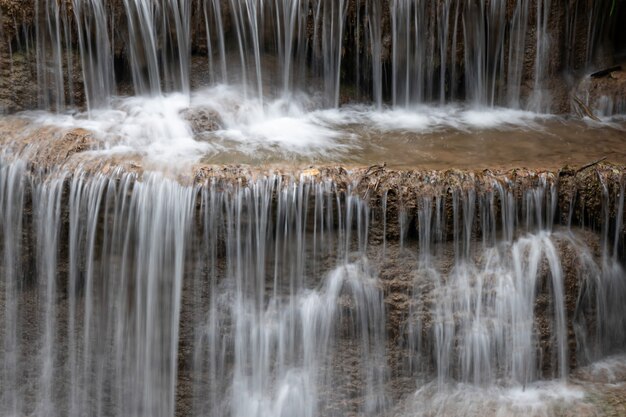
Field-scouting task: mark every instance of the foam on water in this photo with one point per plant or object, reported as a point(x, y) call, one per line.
point(609, 370)
point(423, 119)
point(538, 399)
point(151, 126)
point(283, 125)
point(223, 124)
point(501, 117)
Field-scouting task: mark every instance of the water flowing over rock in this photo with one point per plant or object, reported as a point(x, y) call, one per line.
point(287, 208)
point(517, 53)
point(334, 292)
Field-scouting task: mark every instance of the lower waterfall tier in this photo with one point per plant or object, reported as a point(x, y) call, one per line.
point(326, 292)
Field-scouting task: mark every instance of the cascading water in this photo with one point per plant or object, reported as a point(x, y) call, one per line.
point(133, 272)
point(405, 51)
point(138, 279)
point(146, 296)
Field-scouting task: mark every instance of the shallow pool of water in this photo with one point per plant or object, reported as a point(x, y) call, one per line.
point(221, 126)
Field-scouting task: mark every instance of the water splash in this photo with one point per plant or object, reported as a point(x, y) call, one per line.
point(218, 123)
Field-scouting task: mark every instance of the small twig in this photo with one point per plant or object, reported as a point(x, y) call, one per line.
point(375, 169)
point(589, 165)
point(579, 113)
point(585, 109)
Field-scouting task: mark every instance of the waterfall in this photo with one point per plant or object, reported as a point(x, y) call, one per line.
point(398, 52)
point(196, 219)
point(95, 51)
point(50, 33)
point(148, 296)
point(133, 297)
point(159, 44)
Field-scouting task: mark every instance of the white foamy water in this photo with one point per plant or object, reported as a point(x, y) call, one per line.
point(284, 125)
point(157, 127)
point(151, 126)
point(610, 370)
point(224, 125)
point(537, 400)
point(426, 119)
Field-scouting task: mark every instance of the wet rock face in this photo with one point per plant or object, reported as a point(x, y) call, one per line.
point(605, 95)
point(17, 90)
point(24, 83)
point(203, 120)
point(14, 14)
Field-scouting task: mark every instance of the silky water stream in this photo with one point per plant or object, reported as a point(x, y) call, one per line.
point(239, 241)
point(137, 294)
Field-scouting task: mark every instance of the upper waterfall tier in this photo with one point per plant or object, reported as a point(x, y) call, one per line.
point(517, 53)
